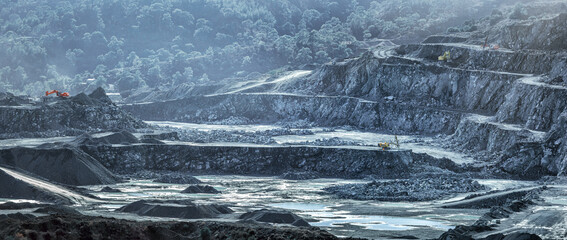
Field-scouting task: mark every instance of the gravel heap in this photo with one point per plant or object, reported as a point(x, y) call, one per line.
point(417, 189)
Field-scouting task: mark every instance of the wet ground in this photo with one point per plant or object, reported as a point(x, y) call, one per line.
point(306, 198)
point(370, 219)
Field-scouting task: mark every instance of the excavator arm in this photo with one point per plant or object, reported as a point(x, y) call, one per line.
point(47, 93)
point(64, 94)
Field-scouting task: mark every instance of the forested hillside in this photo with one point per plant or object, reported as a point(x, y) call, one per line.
point(140, 45)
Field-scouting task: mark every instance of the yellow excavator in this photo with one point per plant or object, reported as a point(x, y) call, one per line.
point(386, 145)
point(445, 57)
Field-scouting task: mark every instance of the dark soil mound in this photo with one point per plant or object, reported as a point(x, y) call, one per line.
point(200, 189)
point(83, 139)
point(82, 99)
point(275, 216)
point(64, 165)
point(100, 95)
point(177, 178)
point(16, 216)
point(175, 209)
point(56, 209)
point(11, 187)
point(122, 137)
point(20, 205)
point(109, 189)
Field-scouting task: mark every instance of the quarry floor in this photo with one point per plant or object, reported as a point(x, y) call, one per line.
point(341, 217)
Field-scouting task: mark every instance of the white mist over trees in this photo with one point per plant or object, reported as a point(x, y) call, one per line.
point(136, 45)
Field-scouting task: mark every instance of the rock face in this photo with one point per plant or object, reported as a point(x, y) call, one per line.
point(200, 189)
point(175, 209)
point(275, 216)
point(273, 161)
point(80, 113)
point(326, 111)
point(547, 34)
point(505, 102)
point(62, 165)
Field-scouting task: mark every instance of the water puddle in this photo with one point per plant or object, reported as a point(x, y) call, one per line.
point(381, 223)
point(299, 206)
point(302, 197)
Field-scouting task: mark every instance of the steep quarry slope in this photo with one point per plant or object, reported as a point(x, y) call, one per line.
point(513, 100)
point(268, 160)
point(61, 165)
point(489, 101)
point(78, 113)
point(13, 187)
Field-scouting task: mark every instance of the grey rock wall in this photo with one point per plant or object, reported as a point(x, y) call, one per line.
point(272, 161)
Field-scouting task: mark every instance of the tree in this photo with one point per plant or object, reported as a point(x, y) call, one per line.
point(304, 56)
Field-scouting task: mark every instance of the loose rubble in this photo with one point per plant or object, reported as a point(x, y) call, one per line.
point(406, 189)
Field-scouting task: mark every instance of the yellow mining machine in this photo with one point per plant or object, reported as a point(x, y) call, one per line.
point(387, 146)
point(445, 57)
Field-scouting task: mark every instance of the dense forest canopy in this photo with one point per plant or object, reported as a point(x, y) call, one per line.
point(133, 45)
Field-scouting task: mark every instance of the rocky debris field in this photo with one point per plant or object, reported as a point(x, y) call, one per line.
point(72, 226)
point(256, 137)
point(490, 220)
point(64, 116)
point(419, 189)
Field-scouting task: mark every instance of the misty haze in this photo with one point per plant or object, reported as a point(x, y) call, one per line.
point(283, 119)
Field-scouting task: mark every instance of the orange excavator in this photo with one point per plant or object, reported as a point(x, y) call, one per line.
point(59, 94)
